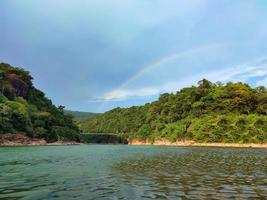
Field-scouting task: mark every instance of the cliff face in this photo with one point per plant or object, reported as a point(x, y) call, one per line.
point(23, 108)
point(18, 86)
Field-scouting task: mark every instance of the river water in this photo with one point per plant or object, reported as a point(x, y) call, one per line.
point(132, 172)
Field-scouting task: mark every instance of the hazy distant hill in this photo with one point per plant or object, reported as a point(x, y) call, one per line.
point(81, 116)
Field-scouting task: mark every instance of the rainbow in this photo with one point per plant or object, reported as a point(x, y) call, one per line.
point(160, 62)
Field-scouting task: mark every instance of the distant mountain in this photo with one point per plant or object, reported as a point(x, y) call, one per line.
point(81, 116)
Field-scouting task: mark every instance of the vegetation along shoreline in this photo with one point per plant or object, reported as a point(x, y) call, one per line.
point(210, 114)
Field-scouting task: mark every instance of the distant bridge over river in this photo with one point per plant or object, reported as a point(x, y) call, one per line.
point(102, 138)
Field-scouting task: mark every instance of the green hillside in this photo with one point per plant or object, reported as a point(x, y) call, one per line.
point(211, 112)
point(80, 116)
point(25, 109)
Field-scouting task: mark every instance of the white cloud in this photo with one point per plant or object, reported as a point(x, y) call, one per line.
point(100, 99)
point(125, 93)
point(242, 73)
point(255, 69)
point(262, 82)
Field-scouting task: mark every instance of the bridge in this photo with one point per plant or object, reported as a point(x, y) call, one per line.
point(102, 138)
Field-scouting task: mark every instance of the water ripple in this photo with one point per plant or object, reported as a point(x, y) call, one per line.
point(127, 172)
point(201, 174)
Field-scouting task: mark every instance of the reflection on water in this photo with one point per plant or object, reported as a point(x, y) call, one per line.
point(131, 172)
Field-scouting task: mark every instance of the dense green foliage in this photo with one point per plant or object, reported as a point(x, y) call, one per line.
point(79, 116)
point(23, 108)
point(234, 112)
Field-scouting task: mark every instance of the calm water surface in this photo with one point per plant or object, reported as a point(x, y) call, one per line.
point(132, 172)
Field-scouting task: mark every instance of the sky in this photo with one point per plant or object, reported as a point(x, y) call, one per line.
point(96, 55)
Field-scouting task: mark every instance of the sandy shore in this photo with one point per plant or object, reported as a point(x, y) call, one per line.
point(192, 143)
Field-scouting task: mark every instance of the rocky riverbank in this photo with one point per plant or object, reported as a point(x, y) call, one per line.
point(192, 143)
point(20, 139)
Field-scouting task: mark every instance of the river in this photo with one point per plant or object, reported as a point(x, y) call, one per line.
point(132, 172)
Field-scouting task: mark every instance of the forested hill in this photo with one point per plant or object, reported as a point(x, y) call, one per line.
point(234, 112)
point(25, 109)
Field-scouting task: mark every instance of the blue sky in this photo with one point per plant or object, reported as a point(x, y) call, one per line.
point(99, 54)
